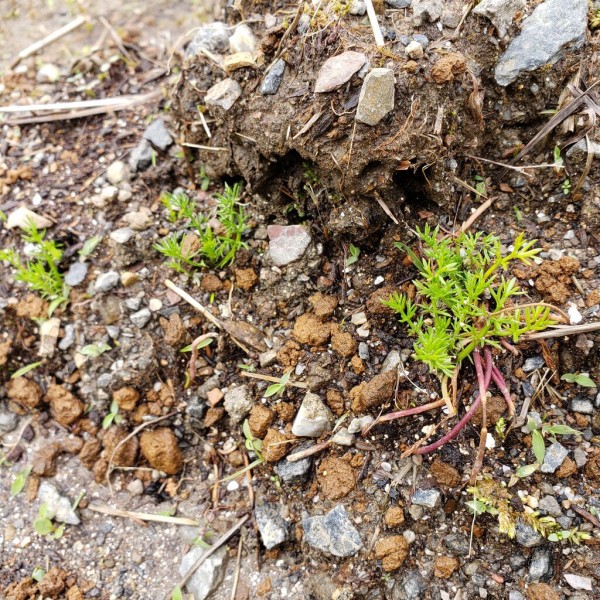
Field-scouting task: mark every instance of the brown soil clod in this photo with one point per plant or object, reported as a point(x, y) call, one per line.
point(260, 420)
point(392, 552)
point(374, 392)
point(445, 475)
point(445, 566)
point(542, 591)
point(274, 446)
point(394, 516)
point(336, 478)
point(24, 392)
point(246, 279)
point(342, 342)
point(309, 329)
point(553, 278)
point(65, 407)
point(127, 398)
point(161, 450)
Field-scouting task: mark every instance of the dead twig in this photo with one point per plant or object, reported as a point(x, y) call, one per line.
point(562, 331)
point(297, 384)
point(476, 214)
point(141, 516)
point(224, 538)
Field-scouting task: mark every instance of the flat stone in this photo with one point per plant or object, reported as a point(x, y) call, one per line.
point(500, 12)
point(579, 151)
point(208, 576)
point(287, 243)
point(580, 457)
point(411, 587)
point(363, 351)
point(141, 156)
point(427, 10)
point(555, 456)
point(68, 338)
point(158, 135)
point(313, 418)
point(272, 526)
point(22, 217)
point(139, 219)
point(106, 281)
point(58, 507)
point(357, 8)
point(457, 543)
point(358, 423)
point(141, 317)
point(295, 472)
point(533, 363)
point(343, 437)
point(237, 403)
point(333, 533)
point(376, 98)
point(582, 405)
point(242, 40)
point(541, 564)
point(273, 78)
point(391, 361)
point(76, 273)
point(398, 3)
point(117, 172)
point(48, 73)
point(49, 331)
point(527, 536)
point(337, 70)
point(578, 582)
point(122, 235)
point(553, 27)
point(427, 498)
point(422, 39)
point(223, 94)
point(515, 595)
point(550, 505)
point(213, 37)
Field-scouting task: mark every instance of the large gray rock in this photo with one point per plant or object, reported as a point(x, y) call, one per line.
point(287, 243)
point(527, 536)
point(411, 587)
point(500, 12)
point(298, 471)
point(553, 27)
point(555, 456)
point(376, 98)
point(541, 565)
point(223, 94)
point(158, 135)
point(58, 507)
point(106, 281)
point(272, 526)
point(427, 10)
point(337, 70)
point(273, 78)
point(333, 533)
point(213, 37)
point(313, 418)
point(237, 403)
point(209, 574)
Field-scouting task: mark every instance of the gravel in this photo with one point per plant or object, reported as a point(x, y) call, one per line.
point(106, 282)
point(332, 533)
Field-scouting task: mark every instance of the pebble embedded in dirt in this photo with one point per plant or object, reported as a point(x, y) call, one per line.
point(287, 243)
point(260, 420)
point(343, 342)
point(323, 306)
point(161, 450)
point(336, 478)
point(237, 403)
point(127, 398)
point(65, 407)
point(338, 69)
point(333, 533)
point(309, 329)
point(495, 408)
point(211, 283)
point(24, 392)
point(174, 329)
point(374, 392)
point(542, 591)
point(274, 446)
point(392, 552)
point(394, 516)
point(377, 95)
point(445, 566)
point(445, 475)
point(246, 279)
point(448, 67)
point(313, 417)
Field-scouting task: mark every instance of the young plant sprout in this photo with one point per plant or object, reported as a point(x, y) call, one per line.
point(464, 309)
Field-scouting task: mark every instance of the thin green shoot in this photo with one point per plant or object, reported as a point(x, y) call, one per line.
point(582, 379)
point(26, 369)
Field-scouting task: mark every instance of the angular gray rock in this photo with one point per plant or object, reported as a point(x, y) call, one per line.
point(213, 37)
point(313, 418)
point(287, 243)
point(337, 70)
point(427, 498)
point(209, 574)
point(57, 507)
point(8, 421)
point(106, 281)
point(333, 533)
point(550, 505)
point(500, 12)
point(398, 3)
point(541, 564)
point(427, 10)
point(76, 273)
point(237, 403)
point(582, 405)
point(242, 40)
point(457, 543)
point(158, 135)
point(141, 317)
point(272, 526)
point(527, 536)
point(295, 472)
point(555, 456)
point(223, 94)
point(141, 156)
point(376, 98)
point(552, 28)
point(273, 78)
point(411, 587)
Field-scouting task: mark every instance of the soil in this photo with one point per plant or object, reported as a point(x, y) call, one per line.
point(175, 441)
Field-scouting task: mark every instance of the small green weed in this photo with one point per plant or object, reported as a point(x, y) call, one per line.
point(278, 388)
point(113, 416)
point(212, 248)
point(24, 370)
point(43, 525)
point(95, 350)
point(20, 480)
point(40, 273)
point(354, 253)
point(582, 379)
point(254, 446)
point(565, 186)
point(38, 574)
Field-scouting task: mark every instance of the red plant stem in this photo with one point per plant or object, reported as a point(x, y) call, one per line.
point(503, 387)
point(481, 377)
point(416, 410)
point(467, 416)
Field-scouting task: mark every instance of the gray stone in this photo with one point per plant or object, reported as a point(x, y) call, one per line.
point(359, 423)
point(106, 281)
point(515, 595)
point(553, 27)
point(22, 217)
point(141, 317)
point(141, 156)
point(313, 418)
point(295, 472)
point(208, 576)
point(8, 421)
point(376, 98)
point(343, 437)
point(541, 565)
point(117, 172)
point(527, 536)
point(109, 308)
point(357, 8)
point(304, 24)
point(422, 39)
point(578, 582)
point(427, 10)
point(337, 70)
point(271, 524)
point(213, 37)
point(58, 507)
point(582, 405)
point(363, 351)
point(565, 522)
point(411, 587)
point(555, 456)
point(533, 363)
point(223, 94)
point(414, 50)
point(48, 73)
point(550, 505)
point(122, 235)
point(391, 362)
point(580, 457)
point(333, 533)
point(49, 331)
point(76, 273)
point(68, 338)
point(242, 40)
point(267, 358)
point(398, 3)
point(273, 78)
point(135, 487)
point(133, 303)
point(500, 12)
point(457, 543)
point(158, 135)
point(237, 403)
point(427, 498)
point(579, 151)
point(287, 243)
